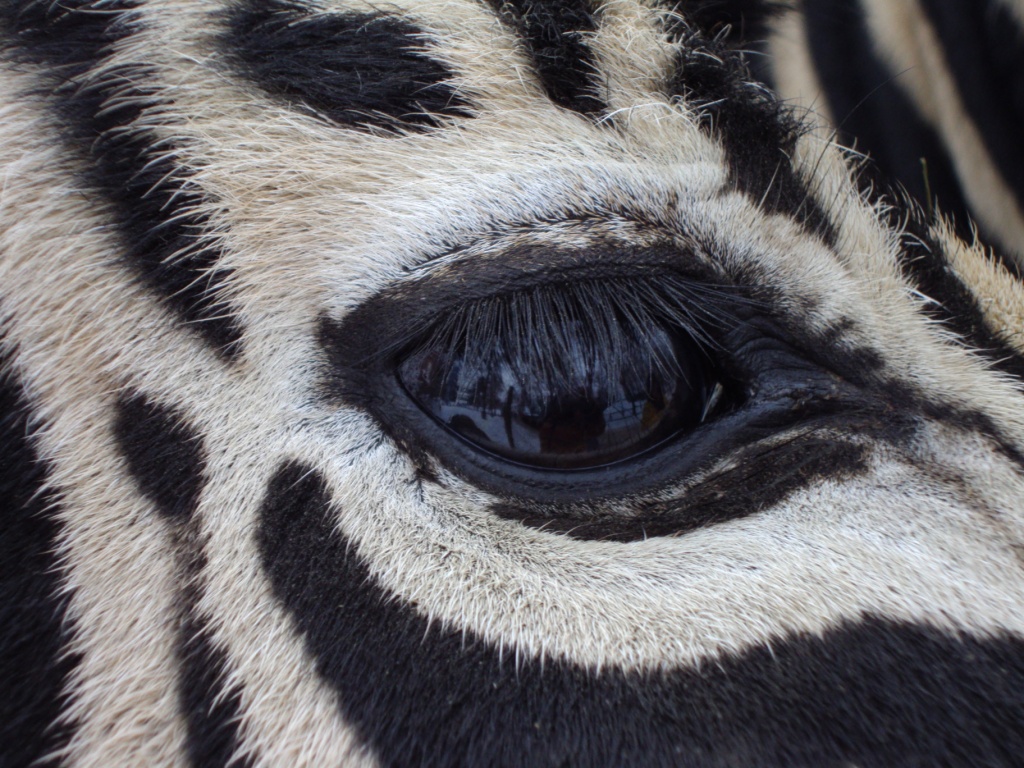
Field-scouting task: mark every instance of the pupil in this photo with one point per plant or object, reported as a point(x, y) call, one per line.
point(591, 405)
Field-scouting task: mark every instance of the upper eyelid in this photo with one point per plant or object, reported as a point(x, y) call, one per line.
point(522, 266)
point(607, 304)
point(576, 233)
point(370, 335)
point(631, 303)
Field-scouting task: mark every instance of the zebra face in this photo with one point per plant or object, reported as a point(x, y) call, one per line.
point(471, 383)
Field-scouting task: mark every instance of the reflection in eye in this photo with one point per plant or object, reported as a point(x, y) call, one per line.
point(553, 381)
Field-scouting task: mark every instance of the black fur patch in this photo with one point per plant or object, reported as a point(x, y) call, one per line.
point(35, 630)
point(152, 197)
point(167, 460)
point(760, 480)
point(872, 693)
point(164, 455)
point(554, 34)
point(737, 22)
point(358, 70)
point(983, 45)
point(212, 710)
point(874, 115)
point(758, 134)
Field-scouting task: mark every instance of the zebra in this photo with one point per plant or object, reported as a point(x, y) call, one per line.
point(507, 382)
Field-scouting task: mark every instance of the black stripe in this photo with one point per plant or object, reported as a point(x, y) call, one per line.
point(924, 264)
point(874, 115)
point(742, 25)
point(873, 693)
point(554, 34)
point(152, 196)
point(983, 46)
point(35, 630)
point(737, 22)
point(758, 134)
point(164, 455)
point(212, 709)
point(358, 70)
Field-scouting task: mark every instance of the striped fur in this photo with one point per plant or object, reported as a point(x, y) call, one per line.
point(931, 89)
point(231, 537)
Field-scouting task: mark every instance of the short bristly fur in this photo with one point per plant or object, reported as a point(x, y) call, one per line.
point(229, 536)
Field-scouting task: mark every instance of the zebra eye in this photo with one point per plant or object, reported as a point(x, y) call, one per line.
point(545, 382)
point(606, 410)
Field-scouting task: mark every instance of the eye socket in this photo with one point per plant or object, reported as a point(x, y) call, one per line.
point(563, 379)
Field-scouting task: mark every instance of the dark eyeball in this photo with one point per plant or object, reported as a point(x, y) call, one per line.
point(574, 404)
